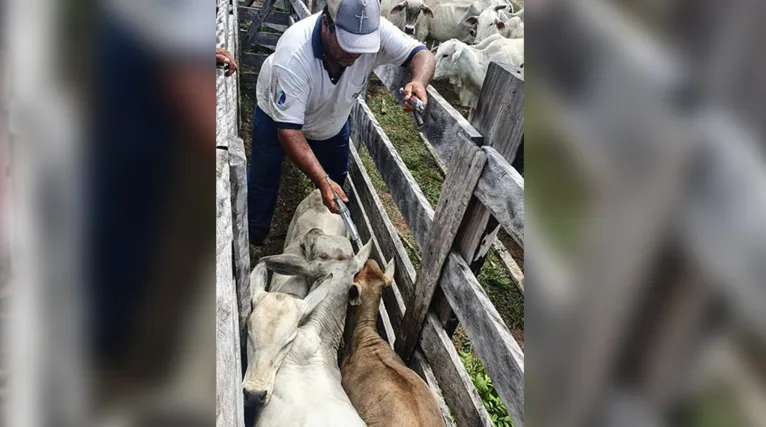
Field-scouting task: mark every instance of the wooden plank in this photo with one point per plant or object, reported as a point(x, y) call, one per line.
point(268, 40)
point(240, 240)
point(456, 192)
point(363, 213)
point(501, 190)
point(249, 38)
point(300, 9)
point(499, 115)
point(254, 59)
point(510, 265)
point(421, 367)
point(405, 191)
point(455, 383)
point(229, 399)
point(391, 245)
point(442, 121)
point(248, 13)
point(498, 350)
point(500, 119)
point(278, 18)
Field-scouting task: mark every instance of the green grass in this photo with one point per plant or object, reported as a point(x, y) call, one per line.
point(486, 389)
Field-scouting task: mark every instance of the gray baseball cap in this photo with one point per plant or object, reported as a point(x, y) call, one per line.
point(356, 24)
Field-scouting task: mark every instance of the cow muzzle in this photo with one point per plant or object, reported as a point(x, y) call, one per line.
point(255, 399)
point(409, 29)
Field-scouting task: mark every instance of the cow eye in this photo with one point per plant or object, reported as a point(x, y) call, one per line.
point(444, 55)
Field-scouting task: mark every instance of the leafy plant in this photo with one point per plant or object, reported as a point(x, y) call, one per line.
point(497, 411)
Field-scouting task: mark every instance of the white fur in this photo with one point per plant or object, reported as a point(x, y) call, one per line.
point(310, 213)
point(466, 66)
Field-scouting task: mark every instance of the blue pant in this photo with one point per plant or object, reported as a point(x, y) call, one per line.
point(266, 167)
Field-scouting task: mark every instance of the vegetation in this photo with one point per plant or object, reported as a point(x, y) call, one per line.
point(486, 389)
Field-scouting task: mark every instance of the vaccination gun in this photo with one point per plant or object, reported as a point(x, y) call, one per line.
point(346, 215)
point(419, 108)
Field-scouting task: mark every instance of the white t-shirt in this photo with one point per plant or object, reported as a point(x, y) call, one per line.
point(295, 90)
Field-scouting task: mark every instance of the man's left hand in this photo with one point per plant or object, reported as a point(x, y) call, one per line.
point(223, 56)
point(417, 89)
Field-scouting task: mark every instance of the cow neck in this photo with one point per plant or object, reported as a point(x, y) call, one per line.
point(365, 327)
point(329, 317)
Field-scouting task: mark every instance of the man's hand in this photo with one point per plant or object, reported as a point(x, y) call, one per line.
point(417, 89)
point(223, 56)
point(327, 195)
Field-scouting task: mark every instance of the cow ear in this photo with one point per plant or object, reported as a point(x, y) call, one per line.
point(289, 265)
point(258, 278)
point(427, 10)
point(390, 268)
point(355, 294)
point(399, 7)
point(315, 297)
point(471, 21)
point(363, 255)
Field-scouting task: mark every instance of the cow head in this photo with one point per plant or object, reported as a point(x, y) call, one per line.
point(323, 254)
point(370, 281)
point(447, 55)
point(412, 9)
point(271, 329)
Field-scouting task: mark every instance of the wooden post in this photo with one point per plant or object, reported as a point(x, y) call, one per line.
point(456, 192)
point(501, 96)
point(257, 21)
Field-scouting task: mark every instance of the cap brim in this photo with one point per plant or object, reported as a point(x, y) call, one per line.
point(358, 43)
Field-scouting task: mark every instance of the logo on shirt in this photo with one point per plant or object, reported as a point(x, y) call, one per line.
point(281, 99)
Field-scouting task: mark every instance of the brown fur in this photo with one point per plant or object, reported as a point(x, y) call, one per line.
point(380, 386)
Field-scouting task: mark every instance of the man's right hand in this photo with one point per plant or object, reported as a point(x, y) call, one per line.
point(328, 197)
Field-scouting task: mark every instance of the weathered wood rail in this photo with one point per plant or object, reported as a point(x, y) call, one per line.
point(416, 307)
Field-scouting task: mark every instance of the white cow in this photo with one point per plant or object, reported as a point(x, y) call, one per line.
point(294, 373)
point(289, 334)
point(310, 213)
point(466, 66)
point(405, 14)
point(493, 20)
point(453, 20)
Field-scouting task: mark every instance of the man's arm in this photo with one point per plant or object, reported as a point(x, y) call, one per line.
point(294, 143)
point(421, 70)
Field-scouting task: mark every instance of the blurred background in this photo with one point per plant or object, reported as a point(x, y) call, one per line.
point(646, 209)
point(108, 274)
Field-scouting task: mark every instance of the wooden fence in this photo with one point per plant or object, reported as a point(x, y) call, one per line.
point(419, 311)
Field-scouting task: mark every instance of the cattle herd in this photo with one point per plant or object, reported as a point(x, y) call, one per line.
point(320, 294)
point(470, 34)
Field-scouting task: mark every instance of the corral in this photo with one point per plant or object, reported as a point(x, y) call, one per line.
point(481, 194)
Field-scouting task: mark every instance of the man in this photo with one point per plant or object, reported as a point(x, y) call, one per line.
point(306, 90)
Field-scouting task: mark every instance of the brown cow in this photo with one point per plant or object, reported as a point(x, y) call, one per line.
point(384, 391)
